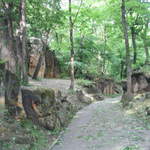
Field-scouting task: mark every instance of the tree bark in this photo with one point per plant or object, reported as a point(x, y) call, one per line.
point(104, 52)
point(23, 40)
point(71, 47)
point(12, 87)
point(134, 44)
point(128, 60)
point(8, 53)
point(147, 60)
point(37, 69)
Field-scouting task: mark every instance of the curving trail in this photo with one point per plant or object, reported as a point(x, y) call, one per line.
point(104, 126)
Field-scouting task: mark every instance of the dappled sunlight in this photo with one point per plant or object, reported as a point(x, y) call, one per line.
point(2, 100)
point(115, 101)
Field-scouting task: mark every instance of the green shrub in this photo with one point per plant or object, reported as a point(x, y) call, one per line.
point(83, 82)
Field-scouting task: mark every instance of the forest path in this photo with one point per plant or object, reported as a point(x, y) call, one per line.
point(104, 126)
point(60, 84)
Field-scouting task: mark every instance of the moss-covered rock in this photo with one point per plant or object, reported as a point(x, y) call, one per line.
point(44, 107)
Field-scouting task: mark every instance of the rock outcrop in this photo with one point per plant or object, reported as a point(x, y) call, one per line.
point(49, 66)
point(103, 86)
point(108, 86)
point(140, 105)
point(140, 89)
point(46, 108)
point(140, 82)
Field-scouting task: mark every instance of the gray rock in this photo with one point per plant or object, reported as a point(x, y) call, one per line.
point(46, 107)
point(147, 95)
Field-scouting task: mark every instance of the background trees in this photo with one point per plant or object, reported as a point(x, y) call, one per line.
point(97, 45)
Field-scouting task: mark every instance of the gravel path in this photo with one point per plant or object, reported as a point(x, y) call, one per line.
point(104, 126)
point(60, 84)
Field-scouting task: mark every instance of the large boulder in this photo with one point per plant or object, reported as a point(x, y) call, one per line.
point(36, 47)
point(140, 82)
point(49, 65)
point(45, 108)
point(108, 86)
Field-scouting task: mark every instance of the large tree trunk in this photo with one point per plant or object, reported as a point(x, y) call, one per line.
point(8, 54)
point(134, 44)
point(128, 96)
point(71, 47)
point(12, 87)
point(23, 40)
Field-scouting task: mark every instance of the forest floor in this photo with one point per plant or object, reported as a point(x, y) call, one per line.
point(60, 84)
point(105, 126)
point(102, 125)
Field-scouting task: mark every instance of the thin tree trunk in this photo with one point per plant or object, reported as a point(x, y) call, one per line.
point(71, 48)
point(121, 69)
point(147, 60)
point(128, 60)
point(37, 69)
point(134, 44)
point(23, 40)
point(105, 44)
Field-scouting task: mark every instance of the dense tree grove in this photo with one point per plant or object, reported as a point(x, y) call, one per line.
point(87, 37)
point(59, 56)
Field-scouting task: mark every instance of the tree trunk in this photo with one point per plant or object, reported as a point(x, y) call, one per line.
point(147, 60)
point(71, 48)
point(8, 53)
point(23, 40)
point(134, 44)
point(122, 68)
point(37, 69)
point(12, 87)
point(128, 60)
point(104, 52)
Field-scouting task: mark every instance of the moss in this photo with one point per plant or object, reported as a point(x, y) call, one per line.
point(45, 92)
point(2, 61)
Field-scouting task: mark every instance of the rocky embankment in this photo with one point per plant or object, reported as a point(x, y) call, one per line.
point(44, 109)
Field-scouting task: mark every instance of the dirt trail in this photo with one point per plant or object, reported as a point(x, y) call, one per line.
point(104, 126)
point(60, 84)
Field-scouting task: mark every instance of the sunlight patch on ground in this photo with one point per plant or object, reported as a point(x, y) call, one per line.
point(130, 112)
point(35, 83)
point(115, 101)
point(1, 100)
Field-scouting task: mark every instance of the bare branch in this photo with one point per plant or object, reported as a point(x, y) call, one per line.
point(73, 22)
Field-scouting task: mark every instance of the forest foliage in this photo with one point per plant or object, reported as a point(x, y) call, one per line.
point(98, 33)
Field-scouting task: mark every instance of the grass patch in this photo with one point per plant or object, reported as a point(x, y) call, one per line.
point(83, 82)
point(38, 135)
point(112, 95)
point(134, 147)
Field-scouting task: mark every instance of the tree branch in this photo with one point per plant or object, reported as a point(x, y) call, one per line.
point(73, 22)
